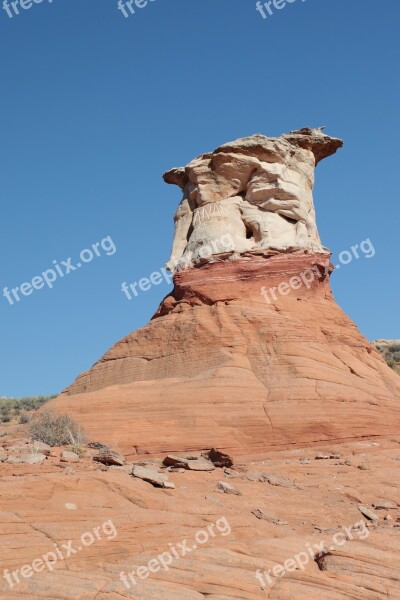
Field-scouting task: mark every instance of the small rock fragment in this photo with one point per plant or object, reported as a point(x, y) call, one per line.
point(384, 505)
point(227, 488)
point(368, 513)
point(33, 459)
point(41, 447)
point(68, 456)
point(257, 512)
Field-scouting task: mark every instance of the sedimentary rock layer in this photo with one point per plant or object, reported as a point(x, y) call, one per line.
point(222, 365)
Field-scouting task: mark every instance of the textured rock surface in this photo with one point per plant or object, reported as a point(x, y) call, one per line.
point(218, 366)
point(255, 192)
point(42, 506)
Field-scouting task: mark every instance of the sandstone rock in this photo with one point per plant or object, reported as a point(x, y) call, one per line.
point(260, 514)
point(279, 481)
point(71, 457)
point(200, 465)
point(33, 459)
point(109, 457)
point(192, 464)
point(3, 455)
point(14, 460)
point(41, 447)
point(371, 516)
point(175, 461)
point(227, 488)
point(220, 459)
point(156, 479)
point(385, 505)
point(258, 189)
point(265, 323)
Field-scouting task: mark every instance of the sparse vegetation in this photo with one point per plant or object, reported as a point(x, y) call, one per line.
point(12, 408)
point(391, 353)
point(57, 430)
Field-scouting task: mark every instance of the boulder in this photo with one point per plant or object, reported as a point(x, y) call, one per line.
point(109, 457)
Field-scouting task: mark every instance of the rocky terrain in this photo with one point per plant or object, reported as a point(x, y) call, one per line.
point(285, 503)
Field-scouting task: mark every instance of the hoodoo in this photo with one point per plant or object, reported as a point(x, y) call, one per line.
point(220, 365)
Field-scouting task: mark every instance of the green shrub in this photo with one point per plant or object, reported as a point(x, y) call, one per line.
point(56, 430)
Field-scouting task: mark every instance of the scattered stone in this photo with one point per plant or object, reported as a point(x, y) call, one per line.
point(388, 517)
point(97, 446)
point(200, 465)
point(257, 512)
point(191, 464)
point(68, 456)
point(3, 455)
point(280, 481)
point(153, 477)
point(304, 461)
point(14, 460)
point(70, 506)
point(220, 459)
point(176, 461)
point(364, 467)
point(331, 456)
point(41, 447)
point(254, 476)
point(384, 505)
point(109, 457)
point(176, 470)
point(232, 473)
point(168, 485)
point(33, 459)
point(321, 456)
point(371, 516)
point(227, 488)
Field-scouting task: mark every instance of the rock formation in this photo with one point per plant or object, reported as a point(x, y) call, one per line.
point(249, 194)
point(250, 350)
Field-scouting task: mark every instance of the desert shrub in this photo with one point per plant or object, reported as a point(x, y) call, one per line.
point(24, 418)
point(5, 418)
point(394, 348)
point(56, 430)
point(391, 362)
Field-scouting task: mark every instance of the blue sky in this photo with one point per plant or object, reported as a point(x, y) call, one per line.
point(96, 106)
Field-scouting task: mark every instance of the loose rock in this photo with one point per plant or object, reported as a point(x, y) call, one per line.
point(227, 488)
point(109, 457)
point(156, 479)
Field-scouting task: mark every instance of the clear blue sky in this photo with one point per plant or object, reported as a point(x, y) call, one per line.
point(96, 106)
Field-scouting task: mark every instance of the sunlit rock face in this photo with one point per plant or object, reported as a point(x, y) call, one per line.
point(251, 194)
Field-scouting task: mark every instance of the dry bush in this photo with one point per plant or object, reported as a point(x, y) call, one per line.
point(56, 430)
